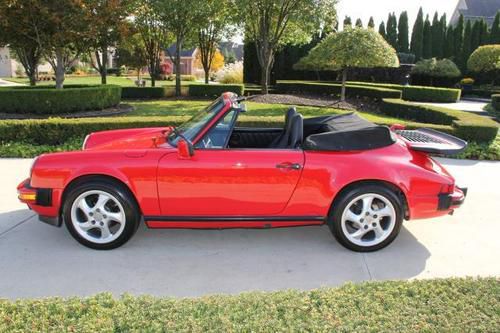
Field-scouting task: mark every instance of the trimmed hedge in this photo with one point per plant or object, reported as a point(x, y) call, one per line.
point(465, 125)
point(211, 90)
point(495, 102)
point(335, 88)
point(48, 100)
point(438, 305)
point(431, 94)
point(142, 92)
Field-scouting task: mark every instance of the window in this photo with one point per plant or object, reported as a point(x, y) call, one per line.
point(218, 135)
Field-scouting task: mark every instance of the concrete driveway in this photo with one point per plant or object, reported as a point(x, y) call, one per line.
point(37, 260)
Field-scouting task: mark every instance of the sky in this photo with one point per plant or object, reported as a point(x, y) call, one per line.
point(379, 9)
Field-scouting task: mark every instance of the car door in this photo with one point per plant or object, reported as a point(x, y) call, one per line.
point(229, 182)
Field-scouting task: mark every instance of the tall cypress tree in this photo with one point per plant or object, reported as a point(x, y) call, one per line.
point(466, 47)
point(392, 31)
point(347, 22)
point(495, 30)
point(459, 40)
point(371, 23)
point(381, 29)
point(359, 23)
point(417, 35)
point(436, 37)
point(449, 44)
point(427, 48)
point(484, 36)
point(403, 32)
point(476, 35)
point(442, 23)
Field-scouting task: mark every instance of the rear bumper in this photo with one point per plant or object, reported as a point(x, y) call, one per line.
point(452, 200)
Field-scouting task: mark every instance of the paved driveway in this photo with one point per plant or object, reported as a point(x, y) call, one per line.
point(4, 83)
point(37, 260)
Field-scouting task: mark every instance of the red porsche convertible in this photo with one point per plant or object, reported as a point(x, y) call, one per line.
point(359, 178)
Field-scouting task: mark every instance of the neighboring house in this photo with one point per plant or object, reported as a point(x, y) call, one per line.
point(188, 58)
point(475, 10)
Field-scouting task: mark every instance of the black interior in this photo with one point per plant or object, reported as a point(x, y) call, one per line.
point(243, 137)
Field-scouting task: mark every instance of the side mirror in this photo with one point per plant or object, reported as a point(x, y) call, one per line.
point(184, 149)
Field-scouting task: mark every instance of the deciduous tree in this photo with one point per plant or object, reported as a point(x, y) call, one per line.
point(349, 49)
point(274, 23)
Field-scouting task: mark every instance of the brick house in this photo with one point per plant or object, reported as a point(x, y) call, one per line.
point(188, 58)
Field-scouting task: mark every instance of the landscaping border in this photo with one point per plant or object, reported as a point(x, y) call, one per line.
point(51, 101)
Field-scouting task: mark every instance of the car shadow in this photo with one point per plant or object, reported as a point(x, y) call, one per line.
point(180, 262)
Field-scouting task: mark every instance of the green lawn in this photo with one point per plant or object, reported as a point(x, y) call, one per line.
point(118, 80)
point(442, 305)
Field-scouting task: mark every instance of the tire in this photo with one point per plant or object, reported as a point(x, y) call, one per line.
point(101, 214)
point(362, 226)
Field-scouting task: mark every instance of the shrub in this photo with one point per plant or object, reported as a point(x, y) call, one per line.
point(142, 92)
point(495, 102)
point(48, 100)
point(444, 68)
point(465, 125)
point(334, 89)
point(230, 73)
point(431, 94)
point(467, 80)
point(184, 77)
point(211, 90)
point(438, 305)
point(485, 59)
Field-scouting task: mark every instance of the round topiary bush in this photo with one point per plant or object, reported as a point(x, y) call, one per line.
point(435, 72)
point(51, 101)
point(484, 63)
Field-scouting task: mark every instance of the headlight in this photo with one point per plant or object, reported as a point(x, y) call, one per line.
point(85, 141)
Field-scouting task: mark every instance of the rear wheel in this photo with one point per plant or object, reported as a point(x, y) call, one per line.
point(101, 215)
point(366, 218)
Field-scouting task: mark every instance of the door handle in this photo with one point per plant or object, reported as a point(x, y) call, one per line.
point(288, 165)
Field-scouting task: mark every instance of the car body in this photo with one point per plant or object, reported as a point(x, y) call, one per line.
point(197, 177)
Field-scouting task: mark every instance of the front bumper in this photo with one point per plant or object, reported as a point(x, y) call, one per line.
point(41, 200)
point(453, 200)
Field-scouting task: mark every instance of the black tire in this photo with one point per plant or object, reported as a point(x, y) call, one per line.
point(340, 204)
point(121, 194)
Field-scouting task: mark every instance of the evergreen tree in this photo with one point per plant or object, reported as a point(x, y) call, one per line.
point(442, 23)
point(484, 36)
point(495, 30)
point(347, 22)
point(427, 47)
point(392, 30)
point(359, 23)
point(403, 32)
point(371, 23)
point(476, 35)
point(417, 35)
point(381, 29)
point(459, 41)
point(436, 37)
point(467, 45)
point(449, 44)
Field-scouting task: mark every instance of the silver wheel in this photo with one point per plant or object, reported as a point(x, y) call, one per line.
point(98, 216)
point(368, 219)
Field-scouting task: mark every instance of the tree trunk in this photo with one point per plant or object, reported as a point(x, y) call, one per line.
point(104, 65)
point(59, 70)
point(207, 76)
point(152, 72)
point(178, 46)
point(32, 77)
point(264, 79)
point(344, 79)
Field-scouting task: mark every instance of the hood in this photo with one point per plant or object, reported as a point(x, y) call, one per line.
point(138, 138)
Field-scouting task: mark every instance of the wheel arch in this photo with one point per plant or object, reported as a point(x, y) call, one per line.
point(95, 176)
point(391, 186)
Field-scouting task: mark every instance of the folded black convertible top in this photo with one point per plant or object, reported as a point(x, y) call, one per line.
point(345, 132)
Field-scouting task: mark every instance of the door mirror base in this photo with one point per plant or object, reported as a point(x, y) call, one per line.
point(185, 149)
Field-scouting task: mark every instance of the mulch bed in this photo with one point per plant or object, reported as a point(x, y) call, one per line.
point(357, 104)
point(109, 112)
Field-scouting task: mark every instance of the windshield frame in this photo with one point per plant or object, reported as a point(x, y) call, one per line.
point(178, 133)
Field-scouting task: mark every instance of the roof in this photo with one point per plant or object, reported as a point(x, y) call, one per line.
point(184, 53)
point(477, 9)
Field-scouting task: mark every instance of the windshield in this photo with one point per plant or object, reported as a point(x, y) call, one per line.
point(193, 126)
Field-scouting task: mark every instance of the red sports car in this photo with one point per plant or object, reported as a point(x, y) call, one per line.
point(359, 178)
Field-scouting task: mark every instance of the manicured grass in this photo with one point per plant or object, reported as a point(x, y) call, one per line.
point(118, 80)
point(443, 305)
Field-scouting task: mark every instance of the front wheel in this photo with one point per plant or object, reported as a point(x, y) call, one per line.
point(101, 215)
point(366, 218)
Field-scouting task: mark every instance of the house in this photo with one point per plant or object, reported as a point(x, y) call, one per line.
point(475, 10)
point(188, 61)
